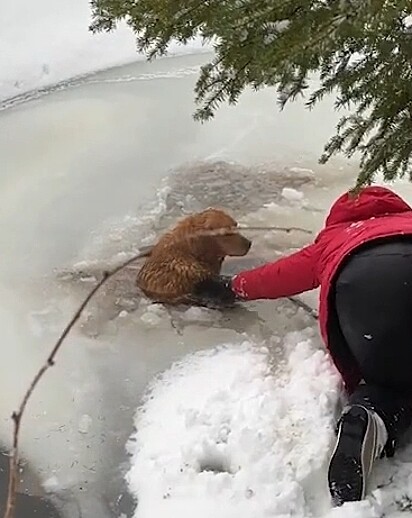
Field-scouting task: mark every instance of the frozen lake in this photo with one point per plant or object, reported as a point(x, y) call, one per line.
point(102, 147)
point(92, 171)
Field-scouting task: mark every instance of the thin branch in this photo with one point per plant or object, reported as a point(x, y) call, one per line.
point(278, 229)
point(308, 309)
point(223, 230)
point(18, 415)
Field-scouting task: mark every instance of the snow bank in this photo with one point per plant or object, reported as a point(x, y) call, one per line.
point(46, 41)
point(244, 432)
point(225, 434)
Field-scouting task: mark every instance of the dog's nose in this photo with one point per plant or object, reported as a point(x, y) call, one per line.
point(248, 243)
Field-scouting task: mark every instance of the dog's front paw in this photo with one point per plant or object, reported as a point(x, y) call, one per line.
point(216, 291)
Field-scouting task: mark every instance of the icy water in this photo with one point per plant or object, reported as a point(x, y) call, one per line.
point(92, 171)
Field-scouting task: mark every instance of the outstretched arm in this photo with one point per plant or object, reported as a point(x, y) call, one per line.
point(282, 278)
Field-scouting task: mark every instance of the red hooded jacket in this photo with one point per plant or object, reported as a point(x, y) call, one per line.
point(375, 213)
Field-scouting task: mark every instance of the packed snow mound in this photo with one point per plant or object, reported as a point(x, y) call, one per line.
point(238, 431)
point(243, 431)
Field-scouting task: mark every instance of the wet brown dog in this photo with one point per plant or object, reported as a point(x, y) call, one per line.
point(186, 255)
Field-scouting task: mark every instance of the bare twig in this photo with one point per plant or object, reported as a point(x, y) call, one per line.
point(277, 229)
point(308, 309)
point(18, 415)
point(223, 230)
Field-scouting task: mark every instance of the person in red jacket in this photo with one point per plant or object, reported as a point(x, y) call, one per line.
point(362, 262)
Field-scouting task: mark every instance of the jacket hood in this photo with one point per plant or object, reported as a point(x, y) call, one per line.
point(371, 202)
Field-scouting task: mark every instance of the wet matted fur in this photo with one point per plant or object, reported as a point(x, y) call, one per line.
point(185, 256)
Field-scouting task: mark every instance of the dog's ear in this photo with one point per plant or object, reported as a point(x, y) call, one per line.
point(215, 219)
point(234, 244)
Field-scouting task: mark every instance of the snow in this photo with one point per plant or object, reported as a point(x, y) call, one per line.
point(303, 171)
point(85, 423)
point(246, 430)
point(407, 21)
point(198, 314)
point(46, 42)
point(235, 432)
point(151, 319)
point(292, 194)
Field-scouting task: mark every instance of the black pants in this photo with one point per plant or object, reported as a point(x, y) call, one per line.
point(373, 304)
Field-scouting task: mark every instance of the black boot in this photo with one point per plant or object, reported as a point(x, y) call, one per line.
point(394, 409)
point(369, 428)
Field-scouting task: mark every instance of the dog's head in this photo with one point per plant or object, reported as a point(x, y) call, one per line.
point(216, 231)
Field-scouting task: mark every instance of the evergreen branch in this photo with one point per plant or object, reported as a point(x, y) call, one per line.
point(223, 91)
point(362, 51)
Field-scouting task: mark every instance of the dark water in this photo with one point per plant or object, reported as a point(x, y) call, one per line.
point(27, 504)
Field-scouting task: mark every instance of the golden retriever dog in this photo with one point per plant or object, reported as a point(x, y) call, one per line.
point(191, 252)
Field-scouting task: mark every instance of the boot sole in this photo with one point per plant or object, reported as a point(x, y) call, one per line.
point(346, 475)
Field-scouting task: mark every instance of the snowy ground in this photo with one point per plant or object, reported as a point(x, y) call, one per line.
point(242, 423)
point(45, 42)
point(250, 440)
